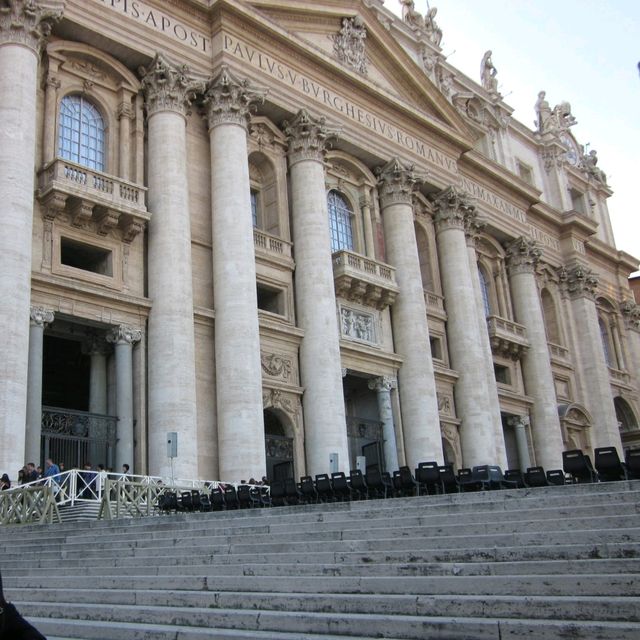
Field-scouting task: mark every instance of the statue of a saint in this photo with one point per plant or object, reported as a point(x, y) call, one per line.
point(410, 15)
point(589, 162)
point(543, 111)
point(433, 31)
point(488, 73)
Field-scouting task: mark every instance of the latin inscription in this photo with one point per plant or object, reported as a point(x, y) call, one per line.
point(496, 202)
point(160, 21)
point(544, 238)
point(328, 98)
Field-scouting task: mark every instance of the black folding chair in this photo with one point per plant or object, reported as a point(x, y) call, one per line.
point(378, 486)
point(632, 461)
point(244, 496)
point(467, 481)
point(578, 466)
point(428, 478)
point(514, 479)
point(556, 477)
point(231, 497)
point(292, 492)
point(308, 489)
point(324, 488)
point(278, 493)
point(216, 497)
point(340, 484)
point(448, 479)
point(404, 483)
point(535, 477)
point(608, 465)
point(358, 484)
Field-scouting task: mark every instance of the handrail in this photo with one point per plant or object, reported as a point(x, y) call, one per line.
point(28, 505)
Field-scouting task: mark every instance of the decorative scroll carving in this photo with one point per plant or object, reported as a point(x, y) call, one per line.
point(123, 334)
point(523, 256)
point(25, 22)
point(106, 219)
point(349, 44)
point(579, 281)
point(444, 403)
point(452, 207)
point(287, 402)
point(358, 325)
point(168, 86)
point(276, 366)
point(39, 316)
point(631, 313)
point(397, 181)
point(307, 137)
point(80, 211)
point(231, 100)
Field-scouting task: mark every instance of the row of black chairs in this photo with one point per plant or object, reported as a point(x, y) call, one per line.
point(427, 479)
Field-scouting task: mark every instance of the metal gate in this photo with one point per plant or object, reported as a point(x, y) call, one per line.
point(77, 438)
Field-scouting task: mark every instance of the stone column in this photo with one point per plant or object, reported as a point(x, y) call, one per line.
point(523, 256)
point(479, 437)
point(382, 387)
point(581, 284)
point(50, 133)
point(171, 360)
point(416, 381)
point(125, 116)
point(631, 314)
point(98, 351)
point(519, 424)
point(320, 368)
point(40, 317)
point(473, 226)
point(23, 27)
point(241, 451)
point(123, 338)
point(369, 242)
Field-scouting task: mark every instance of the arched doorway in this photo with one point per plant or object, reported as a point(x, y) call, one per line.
point(278, 447)
point(627, 423)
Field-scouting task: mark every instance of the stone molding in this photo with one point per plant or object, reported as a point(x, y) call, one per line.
point(26, 23)
point(522, 256)
point(287, 402)
point(382, 383)
point(124, 334)
point(307, 137)
point(579, 281)
point(39, 316)
point(396, 182)
point(231, 100)
point(452, 208)
point(168, 86)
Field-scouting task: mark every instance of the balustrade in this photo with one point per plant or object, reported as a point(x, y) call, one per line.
point(507, 338)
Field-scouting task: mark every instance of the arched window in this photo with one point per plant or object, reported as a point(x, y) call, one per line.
point(550, 318)
point(340, 222)
point(484, 289)
point(81, 132)
point(606, 344)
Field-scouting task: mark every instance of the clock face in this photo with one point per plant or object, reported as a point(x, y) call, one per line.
point(571, 154)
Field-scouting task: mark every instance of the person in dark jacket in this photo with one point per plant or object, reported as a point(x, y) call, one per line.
point(12, 625)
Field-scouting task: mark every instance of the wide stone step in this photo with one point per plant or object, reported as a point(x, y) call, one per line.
point(347, 625)
point(571, 607)
point(543, 584)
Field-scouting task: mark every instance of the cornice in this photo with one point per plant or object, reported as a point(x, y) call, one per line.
point(620, 259)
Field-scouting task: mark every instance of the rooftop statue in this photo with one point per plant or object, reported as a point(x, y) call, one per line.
point(488, 74)
point(433, 31)
point(589, 164)
point(410, 15)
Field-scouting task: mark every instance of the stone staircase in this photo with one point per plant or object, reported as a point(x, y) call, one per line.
point(536, 564)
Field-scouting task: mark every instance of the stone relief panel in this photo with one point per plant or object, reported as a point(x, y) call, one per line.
point(277, 366)
point(349, 44)
point(358, 325)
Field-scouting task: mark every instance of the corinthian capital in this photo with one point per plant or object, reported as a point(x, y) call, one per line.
point(579, 281)
point(452, 207)
point(230, 100)
point(307, 137)
point(631, 313)
point(168, 86)
point(383, 383)
point(397, 181)
point(123, 334)
point(522, 255)
point(39, 316)
point(26, 22)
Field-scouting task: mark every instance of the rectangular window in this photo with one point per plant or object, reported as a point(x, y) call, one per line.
point(271, 300)
point(86, 257)
point(502, 373)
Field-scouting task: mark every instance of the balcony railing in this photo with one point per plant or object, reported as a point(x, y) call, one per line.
point(267, 244)
point(90, 196)
point(558, 352)
point(619, 376)
point(507, 338)
point(364, 280)
point(434, 302)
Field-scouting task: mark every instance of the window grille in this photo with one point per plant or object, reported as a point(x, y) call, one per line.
point(81, 133)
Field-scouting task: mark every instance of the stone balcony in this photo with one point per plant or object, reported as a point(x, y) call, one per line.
point(619, 376)
point(507, 338)
point(435, 304)
point(92, 199)
point(364, 280)
point(271, 246)
point(558, 353)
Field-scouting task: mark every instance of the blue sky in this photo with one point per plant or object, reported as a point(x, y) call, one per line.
point(581, 51)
